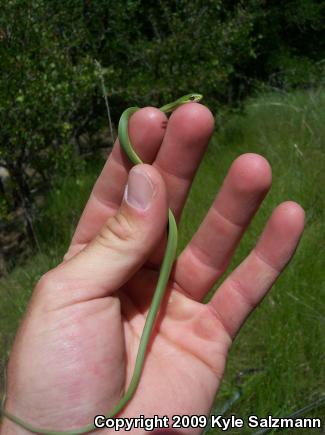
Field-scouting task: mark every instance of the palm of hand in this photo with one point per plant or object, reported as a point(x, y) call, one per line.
point(88, 350)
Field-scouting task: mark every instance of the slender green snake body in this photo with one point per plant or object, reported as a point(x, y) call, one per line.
point(165, 270)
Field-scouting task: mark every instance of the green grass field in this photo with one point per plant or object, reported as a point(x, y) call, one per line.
point(278, 359)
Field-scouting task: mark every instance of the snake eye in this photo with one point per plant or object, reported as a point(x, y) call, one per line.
point(192, 98)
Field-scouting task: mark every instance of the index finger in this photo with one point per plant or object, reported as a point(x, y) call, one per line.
point(146, 128)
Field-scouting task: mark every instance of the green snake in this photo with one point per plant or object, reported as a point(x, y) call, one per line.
point(165, 270)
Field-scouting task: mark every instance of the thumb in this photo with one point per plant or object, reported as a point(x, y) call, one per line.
point(125, 241)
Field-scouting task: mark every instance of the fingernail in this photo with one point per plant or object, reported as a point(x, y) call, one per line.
point(139, 190)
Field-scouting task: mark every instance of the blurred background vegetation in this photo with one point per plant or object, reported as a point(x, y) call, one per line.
point(261, 67)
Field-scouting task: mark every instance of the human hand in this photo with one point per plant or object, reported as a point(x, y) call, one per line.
point(75, 351)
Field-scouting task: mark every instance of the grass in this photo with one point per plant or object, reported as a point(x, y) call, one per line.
point(279, 357)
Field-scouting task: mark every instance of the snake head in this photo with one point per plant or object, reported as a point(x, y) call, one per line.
point(189, 98)
point(192, 98)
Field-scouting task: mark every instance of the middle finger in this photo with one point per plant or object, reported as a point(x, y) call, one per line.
point(188, 133)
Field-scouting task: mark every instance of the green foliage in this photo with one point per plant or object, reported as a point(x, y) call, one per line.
point(186, 46)
point(290, 43)
point(43, 91)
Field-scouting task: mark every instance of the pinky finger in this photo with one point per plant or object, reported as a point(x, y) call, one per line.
point(242, 291)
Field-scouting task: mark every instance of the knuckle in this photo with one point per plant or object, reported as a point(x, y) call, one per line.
point(242, 292)
point(49, 287)
point(48, 282)
point(116, 229)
